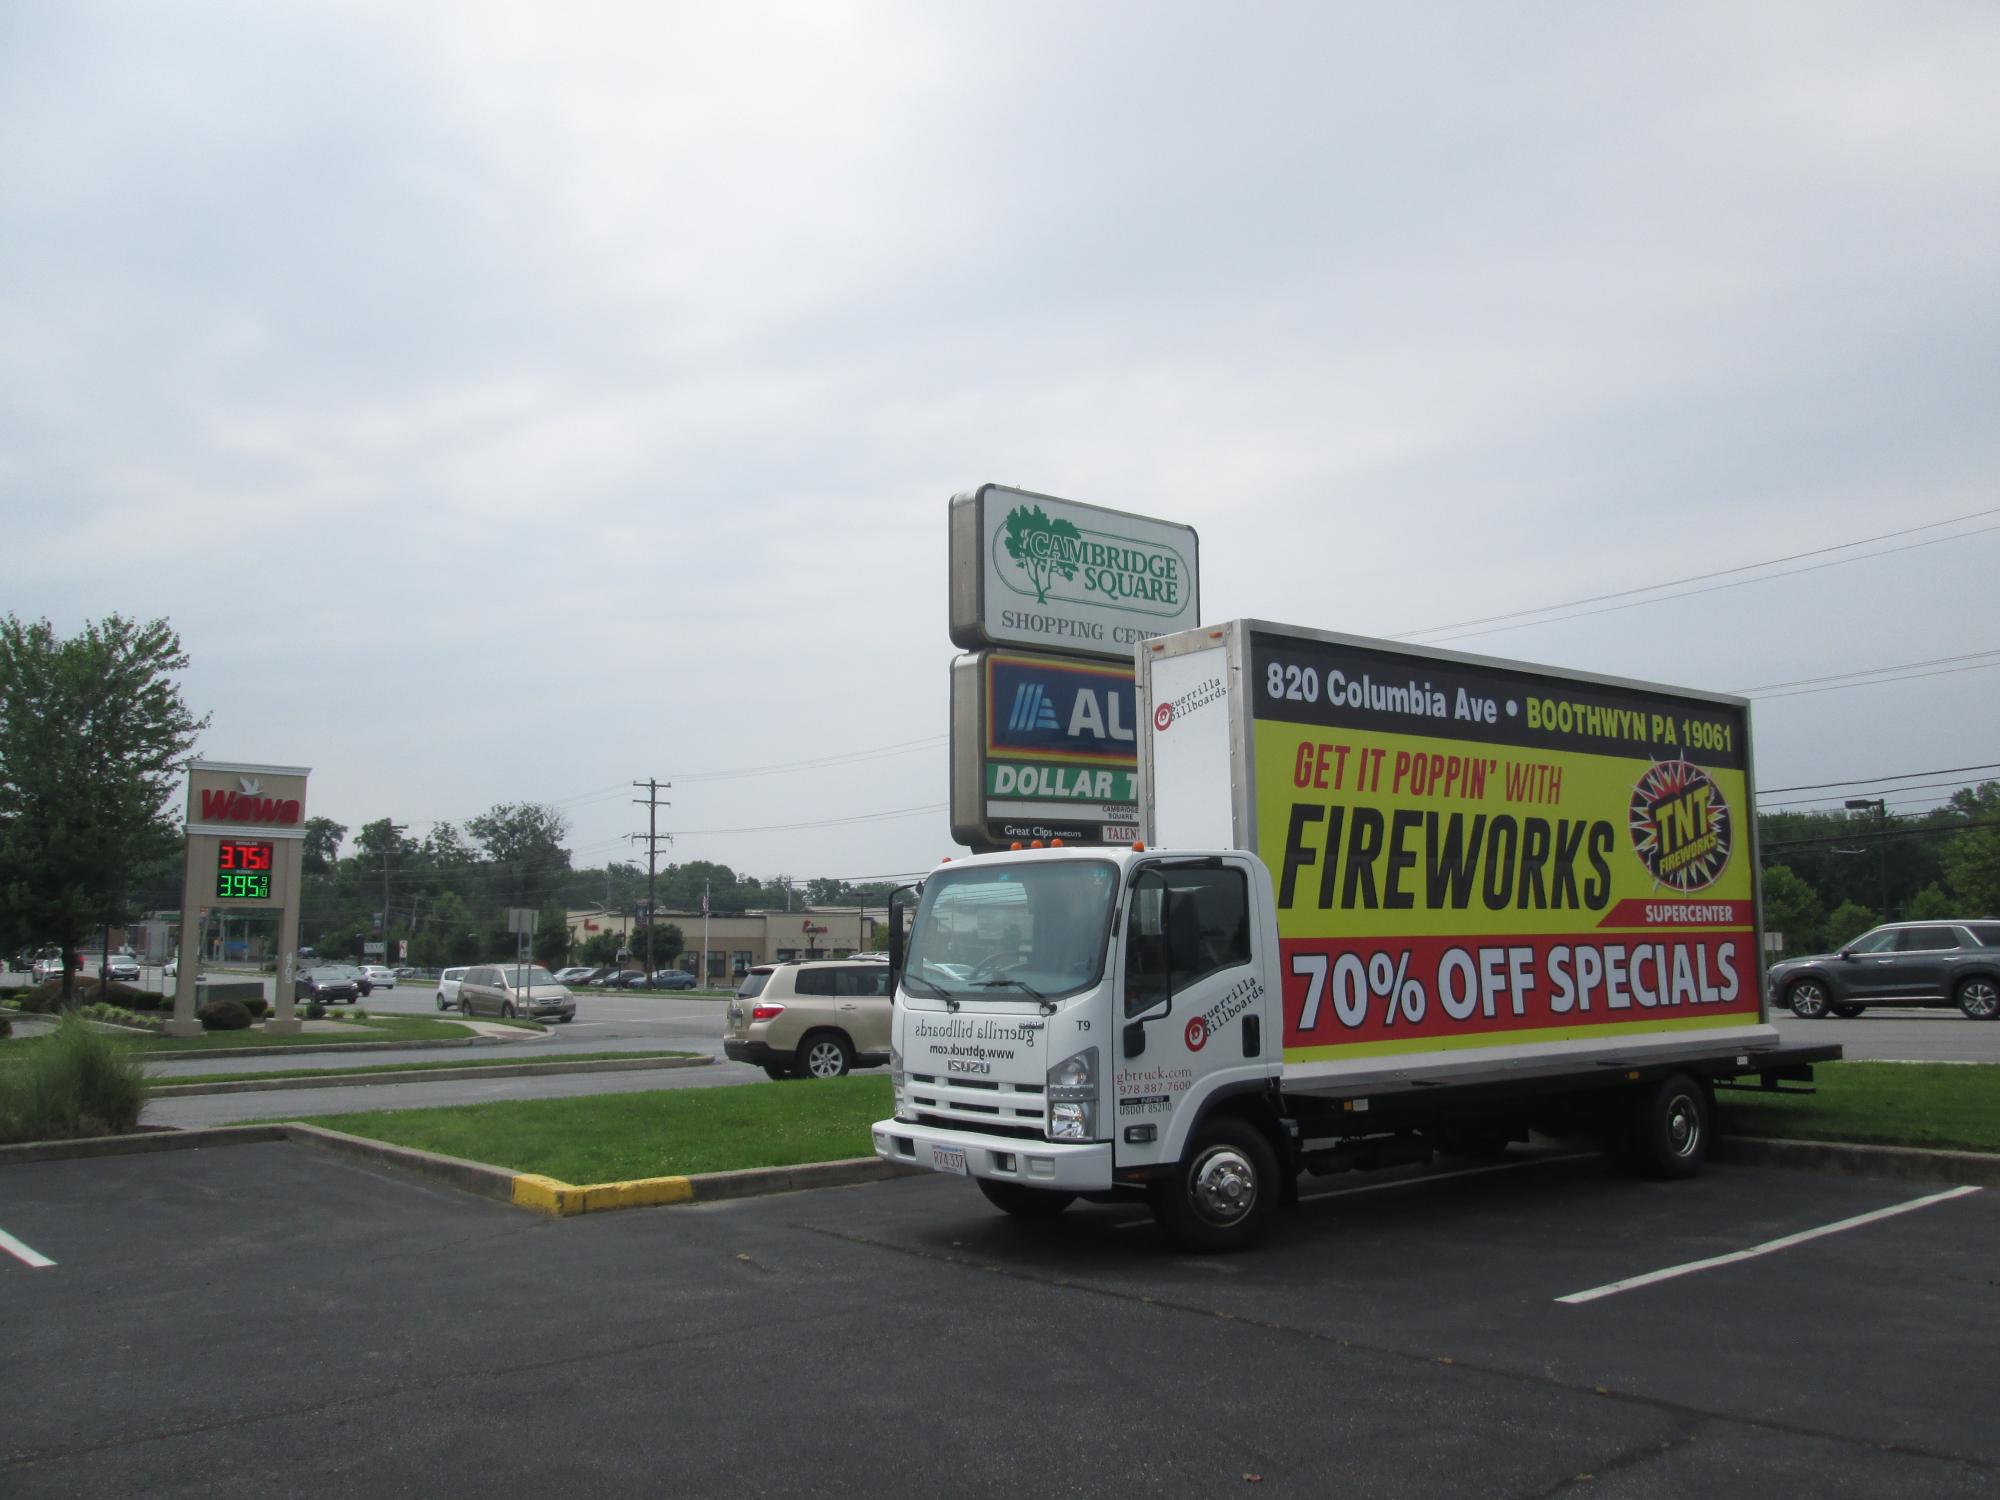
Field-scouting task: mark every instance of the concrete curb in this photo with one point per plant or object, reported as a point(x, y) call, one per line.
point(1899, 1163)
point(425, 1075)
point(521, 1189)
point(308, 1050)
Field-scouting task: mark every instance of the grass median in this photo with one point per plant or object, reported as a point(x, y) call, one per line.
point(1939, 1106)
point(661, 1133)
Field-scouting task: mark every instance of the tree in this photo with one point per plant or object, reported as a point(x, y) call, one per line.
point(667, 944)
point(322, 847)
point(551, 943)
point(448, 935)
point(524, 842)
point(1930, 904)
point(1849, 920)
point(94, 736)
point(601, 948)
point(1791, 908)
point(1972, 867)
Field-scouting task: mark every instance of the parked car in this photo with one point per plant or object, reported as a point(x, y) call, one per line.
point(49, 964)
point(329, 984)
point(673, 979)
point(407, 971)
point(608, 979)
point(631, 979)
point(448, 982)
point(122, 967)
point(511, 990)
point(574, 974)
point(811, 1019)
point(378, 977)
point(173, 969)
point(1899, 963)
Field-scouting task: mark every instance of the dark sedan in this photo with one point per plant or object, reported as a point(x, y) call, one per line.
point(329, 984)
point(673, 979)
point(1902, 963)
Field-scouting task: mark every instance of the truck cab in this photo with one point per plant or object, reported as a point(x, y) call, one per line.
point(1065, 1017)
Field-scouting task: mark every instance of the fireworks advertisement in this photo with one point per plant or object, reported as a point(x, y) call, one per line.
point(1471, 856)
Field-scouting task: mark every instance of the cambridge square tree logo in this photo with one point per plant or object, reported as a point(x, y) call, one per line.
point(1038, 545)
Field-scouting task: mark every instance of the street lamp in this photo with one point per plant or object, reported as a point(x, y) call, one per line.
point(1881, 810)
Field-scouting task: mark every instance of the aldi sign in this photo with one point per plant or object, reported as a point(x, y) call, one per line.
point(1042, 747)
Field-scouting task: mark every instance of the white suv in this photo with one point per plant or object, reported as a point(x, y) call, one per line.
point(448, 983)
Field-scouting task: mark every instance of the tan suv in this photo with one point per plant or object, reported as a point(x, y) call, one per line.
point(812, 1019)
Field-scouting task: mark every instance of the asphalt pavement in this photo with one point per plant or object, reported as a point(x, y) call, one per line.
point(271, 1319)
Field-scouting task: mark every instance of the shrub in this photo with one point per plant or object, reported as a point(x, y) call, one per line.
point(315, 1010)
point(76, 1082)
point(113, 1015)
point(6, 1028)
point(225, 1015)
point(256, 1007)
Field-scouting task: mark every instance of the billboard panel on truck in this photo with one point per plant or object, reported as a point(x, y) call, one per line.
point(1470, 855)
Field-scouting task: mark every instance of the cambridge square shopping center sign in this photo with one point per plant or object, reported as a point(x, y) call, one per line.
point(1042, 741)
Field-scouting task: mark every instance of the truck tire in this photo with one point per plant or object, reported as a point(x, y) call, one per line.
point(1024, 1202)
point(1979, 999)
point(1807, 998)
point(1669, 1124)
point(1222, 1193)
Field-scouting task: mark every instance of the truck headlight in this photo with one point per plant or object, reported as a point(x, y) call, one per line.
point(1073, 1084)
point(1072, 1122)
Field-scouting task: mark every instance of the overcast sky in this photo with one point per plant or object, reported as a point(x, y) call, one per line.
point(510, 401)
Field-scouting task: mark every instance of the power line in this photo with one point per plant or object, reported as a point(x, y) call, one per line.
point(1934, 830)
point(1887, 791)
point(1552, 609)
point(823, 823)
point(1901, 666)
point(1983, 666)
point(846, 757)
point(1821, 786)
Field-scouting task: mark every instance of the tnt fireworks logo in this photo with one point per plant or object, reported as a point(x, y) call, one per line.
point(1680, 825)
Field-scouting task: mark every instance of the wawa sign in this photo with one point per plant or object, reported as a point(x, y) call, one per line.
point(227, 798)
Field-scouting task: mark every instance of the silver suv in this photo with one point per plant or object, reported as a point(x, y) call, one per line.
point(1901, 963)
point(813, 1019)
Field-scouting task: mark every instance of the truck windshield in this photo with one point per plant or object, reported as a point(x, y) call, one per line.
point(1019, 930)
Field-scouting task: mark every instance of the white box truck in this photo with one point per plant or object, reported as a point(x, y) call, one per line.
point(1388, 902)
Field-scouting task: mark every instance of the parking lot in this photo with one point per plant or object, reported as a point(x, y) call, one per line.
point(269, 1318)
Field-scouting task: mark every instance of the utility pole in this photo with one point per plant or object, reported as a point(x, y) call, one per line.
point(1881, 809)
point(394, 829)
point(652, 802)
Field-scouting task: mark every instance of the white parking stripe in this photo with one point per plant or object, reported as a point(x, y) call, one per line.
point(21, 1252)
point(1767, 1248)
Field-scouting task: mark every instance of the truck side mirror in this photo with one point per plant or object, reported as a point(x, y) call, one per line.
point(1149, 978)
point(902, 903)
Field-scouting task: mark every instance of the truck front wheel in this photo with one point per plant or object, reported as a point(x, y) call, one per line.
point(1024, 1202)
point(1222, 1193)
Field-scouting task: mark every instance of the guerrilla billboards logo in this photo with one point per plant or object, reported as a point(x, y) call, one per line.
point(1211, 691)
point(1680, 825)
point(1117, 572)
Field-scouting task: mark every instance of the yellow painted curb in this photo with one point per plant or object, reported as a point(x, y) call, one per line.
point(549, 1196)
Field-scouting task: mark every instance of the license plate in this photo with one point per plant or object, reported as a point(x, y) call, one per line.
point(948, 1159)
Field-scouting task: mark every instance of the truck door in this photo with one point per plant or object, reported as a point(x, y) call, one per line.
point(1192, 1000)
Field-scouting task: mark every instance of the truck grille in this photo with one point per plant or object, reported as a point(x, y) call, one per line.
point(1015, 1110)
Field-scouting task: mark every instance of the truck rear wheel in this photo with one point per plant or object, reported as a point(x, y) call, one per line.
point(1024, 1202)
point(1222, 1193)
point(1668, 1128)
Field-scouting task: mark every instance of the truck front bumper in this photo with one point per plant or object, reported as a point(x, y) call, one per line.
point(1081, 1168)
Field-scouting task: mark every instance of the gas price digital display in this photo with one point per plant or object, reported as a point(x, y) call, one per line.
point(243, 871)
